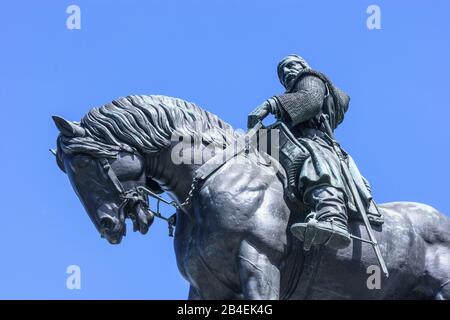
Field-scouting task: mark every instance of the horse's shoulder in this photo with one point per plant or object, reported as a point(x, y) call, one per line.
point(246, 198)
point(241, 177)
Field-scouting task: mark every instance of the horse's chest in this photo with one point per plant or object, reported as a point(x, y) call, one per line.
point(189, 256)
point(193, 263)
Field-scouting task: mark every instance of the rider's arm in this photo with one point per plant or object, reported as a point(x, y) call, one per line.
point(303, 104)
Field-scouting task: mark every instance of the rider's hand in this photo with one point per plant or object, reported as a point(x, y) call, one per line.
point(258, 114)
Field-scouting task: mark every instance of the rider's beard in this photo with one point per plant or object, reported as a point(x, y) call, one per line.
point(289, 79)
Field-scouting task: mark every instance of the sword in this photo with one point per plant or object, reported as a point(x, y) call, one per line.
point(358, 202)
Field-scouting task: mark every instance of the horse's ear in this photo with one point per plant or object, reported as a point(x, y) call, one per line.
point(68, 128)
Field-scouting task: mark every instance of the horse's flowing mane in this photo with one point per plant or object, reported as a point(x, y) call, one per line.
point(144, 123)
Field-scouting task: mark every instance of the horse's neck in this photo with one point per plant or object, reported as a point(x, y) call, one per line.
point(172, 177)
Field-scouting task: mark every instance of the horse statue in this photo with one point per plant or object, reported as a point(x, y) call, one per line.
point(232, 238)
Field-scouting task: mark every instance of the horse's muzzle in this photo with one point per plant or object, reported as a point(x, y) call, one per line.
point(111, 228)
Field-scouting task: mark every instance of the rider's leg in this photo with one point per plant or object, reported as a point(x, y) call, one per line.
point(327, 225)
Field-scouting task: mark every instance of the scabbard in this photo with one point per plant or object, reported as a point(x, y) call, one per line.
point(358, 202)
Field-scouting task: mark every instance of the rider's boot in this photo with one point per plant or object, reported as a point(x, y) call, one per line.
point(327, 224)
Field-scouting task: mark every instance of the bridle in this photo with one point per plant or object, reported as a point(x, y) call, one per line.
point(138, 195)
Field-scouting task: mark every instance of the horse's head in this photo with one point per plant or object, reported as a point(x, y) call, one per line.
point(123, 150)
point(106, 183)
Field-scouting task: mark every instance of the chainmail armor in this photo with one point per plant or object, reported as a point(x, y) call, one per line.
point(307, 103)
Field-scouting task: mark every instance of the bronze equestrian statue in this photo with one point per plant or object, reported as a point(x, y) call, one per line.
point(234, 218)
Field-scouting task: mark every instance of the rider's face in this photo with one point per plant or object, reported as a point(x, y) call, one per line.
point(290, 69)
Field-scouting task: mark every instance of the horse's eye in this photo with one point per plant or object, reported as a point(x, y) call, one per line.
point(82, 161)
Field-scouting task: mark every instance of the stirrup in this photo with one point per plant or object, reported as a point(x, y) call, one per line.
point(306, 231)
point(314, 232)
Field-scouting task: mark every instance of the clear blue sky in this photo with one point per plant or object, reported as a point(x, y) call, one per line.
point(221, 55)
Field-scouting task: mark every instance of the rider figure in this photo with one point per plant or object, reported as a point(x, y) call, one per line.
point(310, 96)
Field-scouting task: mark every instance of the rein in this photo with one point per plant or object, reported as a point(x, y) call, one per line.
point(171, 221)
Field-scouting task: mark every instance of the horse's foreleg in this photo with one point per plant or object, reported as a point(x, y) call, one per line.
point(260, 278)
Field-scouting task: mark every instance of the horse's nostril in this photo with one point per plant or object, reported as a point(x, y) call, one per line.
point(107, 223)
